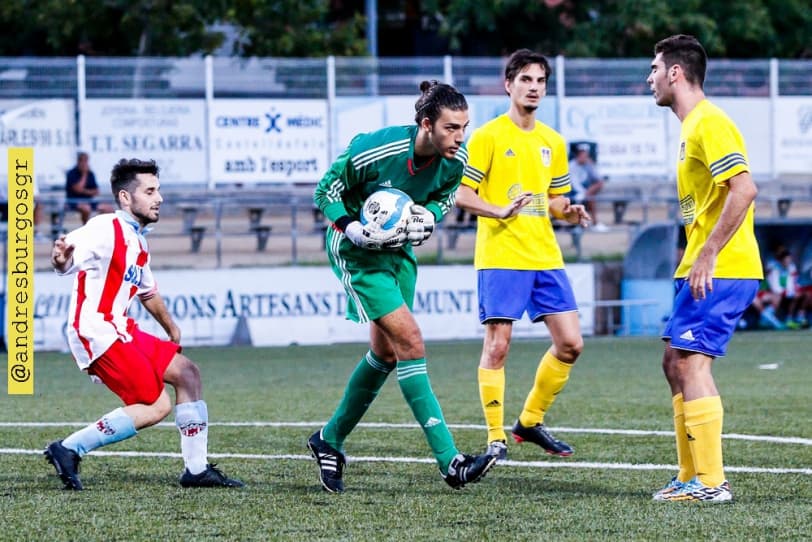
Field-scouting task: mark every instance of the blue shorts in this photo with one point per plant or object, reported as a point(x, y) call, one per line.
point(706, 325)
point(505, 294)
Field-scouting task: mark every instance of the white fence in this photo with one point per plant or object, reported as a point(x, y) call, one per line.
point(210, 121)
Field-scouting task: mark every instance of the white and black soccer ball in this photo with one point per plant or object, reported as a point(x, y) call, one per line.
point(387, 210)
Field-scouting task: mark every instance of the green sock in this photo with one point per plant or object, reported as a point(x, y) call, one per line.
point(414, 383)
point(362, 388)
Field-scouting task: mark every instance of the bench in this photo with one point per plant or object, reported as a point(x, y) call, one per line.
point(619, 197)
point(263, 232)
point(196, 234)
point(255, 216)
point(783, 195)
point(189, 214)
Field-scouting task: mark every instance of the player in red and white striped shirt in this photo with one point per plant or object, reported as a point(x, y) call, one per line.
point(110, 259)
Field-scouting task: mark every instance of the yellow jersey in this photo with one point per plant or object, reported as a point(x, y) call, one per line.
point(503, 162)
point(711, 151)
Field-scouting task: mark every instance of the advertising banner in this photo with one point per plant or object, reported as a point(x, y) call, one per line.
point(268, 140)
point(294, 305)
point(49, 126)
point(630, 132)
point(171, 132)
point(793, 135)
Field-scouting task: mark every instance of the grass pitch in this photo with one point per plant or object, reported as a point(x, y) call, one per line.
point(615, 411)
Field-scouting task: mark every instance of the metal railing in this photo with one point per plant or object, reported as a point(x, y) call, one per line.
point(171, 77)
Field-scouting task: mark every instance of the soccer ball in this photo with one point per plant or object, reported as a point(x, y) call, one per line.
point(387, 210)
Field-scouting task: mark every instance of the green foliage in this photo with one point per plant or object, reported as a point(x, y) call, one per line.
point(618, 28)
point(295, 28)
point(300, 28)
point(109, 27)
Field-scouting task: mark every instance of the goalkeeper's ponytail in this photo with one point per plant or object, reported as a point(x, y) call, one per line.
point(436, 96)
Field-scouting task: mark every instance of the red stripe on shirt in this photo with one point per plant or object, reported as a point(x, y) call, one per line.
point(80, 299)
point(115, 273)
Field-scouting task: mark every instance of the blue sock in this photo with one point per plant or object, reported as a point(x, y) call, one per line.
point(112, 427)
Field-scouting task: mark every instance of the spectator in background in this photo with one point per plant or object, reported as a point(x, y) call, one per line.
point(586, 183)
point(786, 300)
point(80, 184)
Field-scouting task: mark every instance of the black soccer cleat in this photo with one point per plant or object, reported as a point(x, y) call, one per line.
point(468, 469)
point(66, 463)
point(211, 477)
point(331, 463)
point(538, 434)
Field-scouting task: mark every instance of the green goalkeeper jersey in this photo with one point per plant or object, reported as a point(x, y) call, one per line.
point(385, 159)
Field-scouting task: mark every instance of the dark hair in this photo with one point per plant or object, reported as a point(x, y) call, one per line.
point(524, 57)
point(436, 96)
point(123, 175)
point(688, 53)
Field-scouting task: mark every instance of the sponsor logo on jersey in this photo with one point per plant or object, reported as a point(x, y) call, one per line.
point(510, 153)
point(133, 275)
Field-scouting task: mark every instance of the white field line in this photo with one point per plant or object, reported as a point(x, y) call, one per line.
point(553, 464)
point(375, 425)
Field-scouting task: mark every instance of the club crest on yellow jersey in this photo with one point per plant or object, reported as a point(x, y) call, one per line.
point(546, 156)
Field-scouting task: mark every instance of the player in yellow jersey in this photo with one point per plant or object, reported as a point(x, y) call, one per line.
point(719, 273)
point(515, 181)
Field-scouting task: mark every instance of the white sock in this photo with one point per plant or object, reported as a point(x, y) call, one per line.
point(192, 420)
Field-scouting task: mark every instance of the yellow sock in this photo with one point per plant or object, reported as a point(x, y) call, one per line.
point(492, 396)
point(684, 458)
point(703, 423)
point(551, 377)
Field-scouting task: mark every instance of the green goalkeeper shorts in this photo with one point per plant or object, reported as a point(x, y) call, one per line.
point(377, 282)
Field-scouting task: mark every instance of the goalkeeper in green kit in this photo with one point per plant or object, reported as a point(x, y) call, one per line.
point(378, 271)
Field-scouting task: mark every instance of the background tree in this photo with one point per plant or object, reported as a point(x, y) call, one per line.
point(618, 28)
point(295, 28)
point(301, 28)
point(109, 27)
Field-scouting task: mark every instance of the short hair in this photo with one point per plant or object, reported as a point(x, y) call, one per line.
point(688, 53)
point(524, 57)
point(123, 176)
point(436, 96)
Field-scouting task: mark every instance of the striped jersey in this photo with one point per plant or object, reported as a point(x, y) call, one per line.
point(385, 159)
point(711, 151)
point(503, 162)
point(111, 264)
